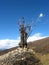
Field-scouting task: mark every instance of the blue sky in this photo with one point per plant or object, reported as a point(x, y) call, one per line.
point(11, 10)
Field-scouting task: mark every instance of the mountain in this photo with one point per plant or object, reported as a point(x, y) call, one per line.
point(41, 46)
point(33, 55)
point(2, 52)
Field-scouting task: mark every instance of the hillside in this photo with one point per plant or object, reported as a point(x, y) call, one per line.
point(37, 54)
point(20, 56)
point(41, 46)
point(7, 50)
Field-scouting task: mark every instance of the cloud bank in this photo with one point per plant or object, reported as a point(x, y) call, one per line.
point(36, 36)
point(7, 43)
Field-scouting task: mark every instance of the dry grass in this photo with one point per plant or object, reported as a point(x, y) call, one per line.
point(41, 46)
point(44, 58)
point(20, 57)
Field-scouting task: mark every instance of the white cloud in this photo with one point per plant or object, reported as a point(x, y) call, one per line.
point(36, 36)
point(41, 15)
point(7, 43)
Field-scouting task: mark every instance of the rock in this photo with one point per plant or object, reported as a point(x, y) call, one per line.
point(20, 57)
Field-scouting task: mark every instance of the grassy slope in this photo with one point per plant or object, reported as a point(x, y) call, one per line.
point(44, 58)
point(7, 50)
point(41, 46)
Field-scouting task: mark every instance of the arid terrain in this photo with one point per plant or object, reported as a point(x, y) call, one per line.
point(38, 49)
point(41, 46)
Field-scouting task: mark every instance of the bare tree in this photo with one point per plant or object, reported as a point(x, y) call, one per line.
point(25, 31)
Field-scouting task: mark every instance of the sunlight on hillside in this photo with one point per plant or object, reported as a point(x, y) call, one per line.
point(44, 58)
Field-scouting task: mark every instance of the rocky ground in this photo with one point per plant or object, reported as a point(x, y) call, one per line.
point(20, 56)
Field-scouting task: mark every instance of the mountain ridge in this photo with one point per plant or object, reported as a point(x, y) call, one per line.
point(39, 44)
